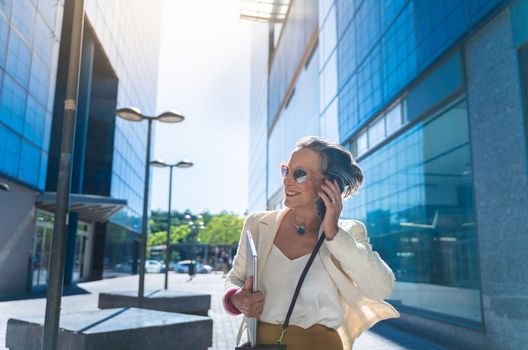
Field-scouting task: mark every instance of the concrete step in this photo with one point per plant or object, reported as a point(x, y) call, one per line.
point(115, 329)
point(162, 300)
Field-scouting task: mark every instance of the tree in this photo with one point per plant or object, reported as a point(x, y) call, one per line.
point(158, 220)
point(177, 233)
point(222, 229)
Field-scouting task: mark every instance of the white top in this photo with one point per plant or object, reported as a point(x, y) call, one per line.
point(318, 300)
point(363, 278)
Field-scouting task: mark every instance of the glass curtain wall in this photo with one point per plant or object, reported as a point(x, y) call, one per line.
point(29, 43)
point(80, 252)
point(121, 249)
point(383, 45)
point(41, 248)
point(523, 62)
point(417, 204)
point(258, 131)
point(131, 43)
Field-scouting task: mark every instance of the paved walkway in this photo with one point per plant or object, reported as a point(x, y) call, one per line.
point(225, 327)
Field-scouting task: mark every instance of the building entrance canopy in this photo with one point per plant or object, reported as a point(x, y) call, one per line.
point(264, 10)
point(90, 208)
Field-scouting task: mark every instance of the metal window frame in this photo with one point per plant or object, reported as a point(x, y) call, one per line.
point(522, 57)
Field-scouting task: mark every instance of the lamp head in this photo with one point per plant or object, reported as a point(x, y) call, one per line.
point(185, 163)
point(159, 163)
point(132, 114)
point(170, 117)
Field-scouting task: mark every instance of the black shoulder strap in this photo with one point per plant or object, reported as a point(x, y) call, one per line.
point(301, 280)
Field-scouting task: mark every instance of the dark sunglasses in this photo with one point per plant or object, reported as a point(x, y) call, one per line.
point(299, 174)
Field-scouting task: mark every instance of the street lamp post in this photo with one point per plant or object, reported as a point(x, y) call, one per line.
point(199, 227)
point(134, 114)
point(162, 164)
point(50, 334)
point(195, 228)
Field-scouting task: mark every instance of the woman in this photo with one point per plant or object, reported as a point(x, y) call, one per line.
point(343, 290)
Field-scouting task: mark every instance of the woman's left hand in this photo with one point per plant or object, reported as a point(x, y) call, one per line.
point(331, 197)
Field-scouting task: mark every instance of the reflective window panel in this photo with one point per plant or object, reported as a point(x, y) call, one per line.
point(383, 45)
point(417, 204)
point(119, 251)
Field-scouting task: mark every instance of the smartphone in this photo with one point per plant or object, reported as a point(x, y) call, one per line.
point(321, 207)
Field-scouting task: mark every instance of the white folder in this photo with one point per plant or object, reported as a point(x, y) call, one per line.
point(251, 270)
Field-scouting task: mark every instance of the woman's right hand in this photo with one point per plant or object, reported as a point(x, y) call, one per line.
point(249, 303)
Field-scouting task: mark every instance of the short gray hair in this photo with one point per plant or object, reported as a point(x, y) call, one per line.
point(336, 162)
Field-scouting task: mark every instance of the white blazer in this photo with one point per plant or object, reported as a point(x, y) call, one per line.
point(362, 278)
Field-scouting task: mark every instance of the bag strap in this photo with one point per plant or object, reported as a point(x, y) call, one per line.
point(299, 285)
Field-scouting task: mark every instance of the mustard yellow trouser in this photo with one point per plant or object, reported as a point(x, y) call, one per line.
point(316, 337)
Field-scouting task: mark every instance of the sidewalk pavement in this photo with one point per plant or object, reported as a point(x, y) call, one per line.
point(225, 327)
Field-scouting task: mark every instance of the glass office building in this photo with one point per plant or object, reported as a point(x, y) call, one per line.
point(29, 43)
point(119, 68)
point(430, 98)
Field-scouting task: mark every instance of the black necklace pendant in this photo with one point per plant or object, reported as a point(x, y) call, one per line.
point(300, 230)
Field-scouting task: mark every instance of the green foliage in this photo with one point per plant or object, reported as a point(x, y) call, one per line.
point(158, 220)
point(222, 229)
point(177, 233)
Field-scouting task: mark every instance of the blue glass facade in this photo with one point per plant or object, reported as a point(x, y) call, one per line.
point(295, 37)
point(131, 46)
point(523, 67)
point(328, 100)
point(133, 55)
point(293, 90)
point(258, 132)
point(293, 125)
point(417, 200)
point(119, 68)
point(431, 99)
point(384, 45)
point(29, 42)
point(417, 204)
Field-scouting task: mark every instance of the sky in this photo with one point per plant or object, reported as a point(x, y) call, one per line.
point(204, 73)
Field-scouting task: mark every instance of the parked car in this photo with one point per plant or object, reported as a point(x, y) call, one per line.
point(154, 266)
point(183, 267)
